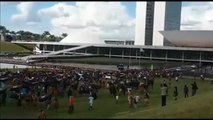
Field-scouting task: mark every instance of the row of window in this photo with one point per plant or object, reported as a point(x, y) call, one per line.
point(136, 52)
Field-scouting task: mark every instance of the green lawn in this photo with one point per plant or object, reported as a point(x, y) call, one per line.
point(126, 61)
point(10, 47)
point(198, 106)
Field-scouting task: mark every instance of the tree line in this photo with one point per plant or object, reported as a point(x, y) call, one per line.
point(29, 36)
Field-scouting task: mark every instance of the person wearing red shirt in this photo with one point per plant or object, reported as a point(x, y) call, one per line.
point(71, 104)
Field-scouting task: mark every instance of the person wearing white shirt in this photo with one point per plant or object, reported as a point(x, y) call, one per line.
point(176, 78)
point(116, 98)
point(163, 94)
point(136, 100)
point(91, 102)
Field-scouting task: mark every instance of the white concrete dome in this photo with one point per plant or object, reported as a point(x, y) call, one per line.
point(190, 38)
point(83, 38)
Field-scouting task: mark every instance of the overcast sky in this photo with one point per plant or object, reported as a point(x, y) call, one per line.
point(108, 19)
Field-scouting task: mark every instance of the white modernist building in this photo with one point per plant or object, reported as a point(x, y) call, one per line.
point(152, 17)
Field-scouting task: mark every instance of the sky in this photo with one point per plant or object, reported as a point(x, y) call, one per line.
point(107, 19)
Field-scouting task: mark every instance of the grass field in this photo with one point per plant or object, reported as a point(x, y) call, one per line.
point(131, 62)
point(198, 106)
point(9, 47)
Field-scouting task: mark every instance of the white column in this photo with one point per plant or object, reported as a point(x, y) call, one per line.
point(159, 21)
point(140, 23)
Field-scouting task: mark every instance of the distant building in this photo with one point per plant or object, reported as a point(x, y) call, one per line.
point(119, 42)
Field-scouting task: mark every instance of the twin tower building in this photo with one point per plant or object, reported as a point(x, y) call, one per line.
point(152, 17)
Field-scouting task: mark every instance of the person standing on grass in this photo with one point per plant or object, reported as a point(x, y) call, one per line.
point(176, 78)
point(41, 115)
point(4, 97)
point(131, 99)
point(186, 91)
point(91, 99)
point(194, 88)
point(147, 94)
point(56, 104)
point(49, 101)
point(146, 101)
point(163, 94)
point(19, 100)
point(136, 100)
point(175, 94)
point(202, 78)
point(116, 99)
point(71, 104)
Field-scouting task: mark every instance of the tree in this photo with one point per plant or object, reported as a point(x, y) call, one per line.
point(12, 32)
point(8, 38)
point(64, 35)
point(18, 37)
point(21, 32)
point(58, 39)
point(27, 35)
point(52, 38)
point(3, 29)
point(45, 33)
point(37, 37)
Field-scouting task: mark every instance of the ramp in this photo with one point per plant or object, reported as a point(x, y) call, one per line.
point(54, 53)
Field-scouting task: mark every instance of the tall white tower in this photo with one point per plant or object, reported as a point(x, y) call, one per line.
point(152, 17)
point(140, 23)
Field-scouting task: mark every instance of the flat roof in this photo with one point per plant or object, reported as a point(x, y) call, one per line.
point(120, 46)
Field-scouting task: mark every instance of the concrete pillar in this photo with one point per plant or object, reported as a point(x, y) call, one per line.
point(151, 55)
point(129, 56)
point(44, 48)
point(98, 50)
point(122, 54)
point(136, 54)
point(63, 49)
point(110, 52)
point(85, 50)
point(183, 56)
point(200, 61)
point(53, 48)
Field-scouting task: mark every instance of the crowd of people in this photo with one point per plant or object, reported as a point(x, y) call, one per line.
point(51, 82)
